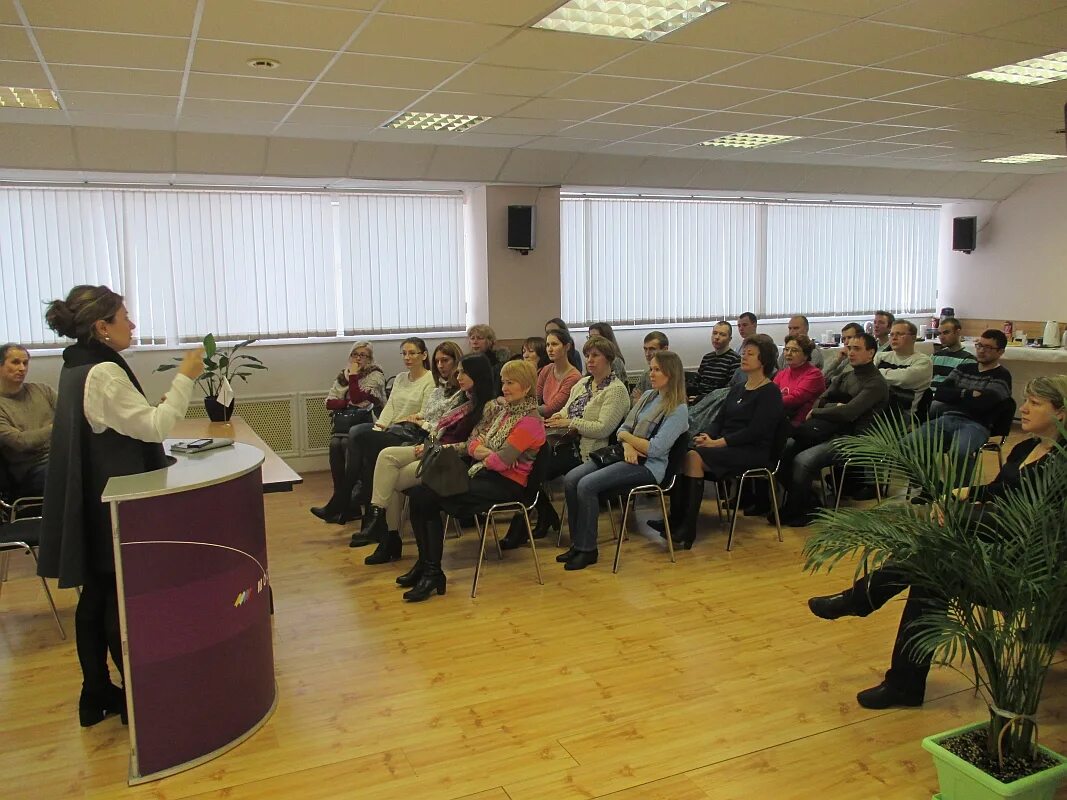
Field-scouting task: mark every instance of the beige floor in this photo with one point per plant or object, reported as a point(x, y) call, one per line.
point(708, 678)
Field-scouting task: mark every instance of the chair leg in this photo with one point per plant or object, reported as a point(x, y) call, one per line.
point(496, 537)
point(774, 505)
point(482, 531)
point(841, 485)
point(618, 539)
point(533, 545)
point(5, 558)
point(51, 602)
point(667, 526)
point(720, 491)
point(562, 523)
point(733, 515)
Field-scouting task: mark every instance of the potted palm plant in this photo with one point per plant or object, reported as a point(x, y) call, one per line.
point(222, 365)
point(1000, 580)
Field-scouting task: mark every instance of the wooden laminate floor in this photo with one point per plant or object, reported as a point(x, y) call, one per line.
point(708, 678)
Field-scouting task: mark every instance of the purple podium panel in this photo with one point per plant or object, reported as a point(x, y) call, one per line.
point(195, 590)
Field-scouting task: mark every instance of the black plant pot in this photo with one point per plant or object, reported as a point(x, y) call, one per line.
point(216, 411)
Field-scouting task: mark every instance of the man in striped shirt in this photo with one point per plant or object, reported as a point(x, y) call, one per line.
point(950, 354)
point(967, 403)
point(718, 366)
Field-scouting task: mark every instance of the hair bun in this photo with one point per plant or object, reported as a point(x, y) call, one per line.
point(60, 318)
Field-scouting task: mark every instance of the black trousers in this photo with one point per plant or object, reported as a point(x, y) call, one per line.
point(352, 460)
point(96, 630)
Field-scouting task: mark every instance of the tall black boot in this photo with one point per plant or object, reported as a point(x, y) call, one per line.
point(389, 548)
point(678, 504)
point(373, 530)
point(547, 518)
point(686, 532)
point(411, 577)
point(433, 544)
point(516, 535)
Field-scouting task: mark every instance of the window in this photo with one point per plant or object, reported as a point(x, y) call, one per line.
point(236, 263)
point(643, 260)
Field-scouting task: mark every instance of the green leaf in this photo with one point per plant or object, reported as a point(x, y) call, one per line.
point(210, 347)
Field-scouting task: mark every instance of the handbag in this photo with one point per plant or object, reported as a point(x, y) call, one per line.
point(345, 418)
point(606, 456)
point(408, 432)
point(443, 471)
point(566, 446)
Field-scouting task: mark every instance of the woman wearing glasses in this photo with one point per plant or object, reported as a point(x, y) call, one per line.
point(801, 382)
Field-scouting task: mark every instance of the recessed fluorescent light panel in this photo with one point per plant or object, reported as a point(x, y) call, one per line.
point(747, 140)
point(1031, 72)
point(1022, 158)
point(649, 20)
point(12, 97)
point(425, 121)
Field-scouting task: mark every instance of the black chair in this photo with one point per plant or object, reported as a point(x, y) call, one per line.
point(674, 465)
point(767, 473)
point(20, 530)
point(1003, 418)
point(484, 518)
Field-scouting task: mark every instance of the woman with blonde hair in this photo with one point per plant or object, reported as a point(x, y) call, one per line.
point(649, 431)
point(502, 448)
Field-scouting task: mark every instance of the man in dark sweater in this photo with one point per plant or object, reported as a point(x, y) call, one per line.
point(718, 366)
point(950, 353)
point(967, 403)
point(847, 406)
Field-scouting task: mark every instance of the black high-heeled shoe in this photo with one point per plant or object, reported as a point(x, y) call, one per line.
point(390, 548)
point(428, 584)
point(94, 706)
point(411, 577)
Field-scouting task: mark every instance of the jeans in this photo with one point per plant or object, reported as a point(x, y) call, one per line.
point(803, 468)
point(583, 486)
point(962, 435)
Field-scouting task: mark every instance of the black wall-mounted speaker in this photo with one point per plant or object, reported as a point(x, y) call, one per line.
point(522, 221)
point(964, 233)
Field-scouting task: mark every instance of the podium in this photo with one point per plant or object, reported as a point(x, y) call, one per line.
point(194, 607)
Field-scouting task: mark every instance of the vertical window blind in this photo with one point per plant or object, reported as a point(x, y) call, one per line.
point(236, 263)
point(640, 260)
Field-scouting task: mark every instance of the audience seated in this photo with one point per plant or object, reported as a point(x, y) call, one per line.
point(654, 342)
point(618, 365)
point(1044, 410)
point(741, 438)
point(557, 324)
point(482, 339)
point(833, 365)
point(746, 328)
point(883, 323)
point(596, 406)
point(718, 366)
point(847, 406)
point(798, 326)
point(655, 422)
point(950, 353)
point(503, 447)
point(26, 414)
point(907, 372)
point(967, 402)
point(534, 351)
point(800, 381)
point(396, 467)
point(557, 378)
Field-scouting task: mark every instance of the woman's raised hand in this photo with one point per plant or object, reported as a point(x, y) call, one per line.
point(192, 366)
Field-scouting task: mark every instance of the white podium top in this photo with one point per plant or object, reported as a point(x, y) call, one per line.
point(189, 471)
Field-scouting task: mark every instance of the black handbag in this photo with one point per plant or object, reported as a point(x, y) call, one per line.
point(606, 456)
point(345, 418)
point(443, 470)
point(408, 432)
point(566, 447)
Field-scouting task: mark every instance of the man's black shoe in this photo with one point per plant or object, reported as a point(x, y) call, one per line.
point(885, 696)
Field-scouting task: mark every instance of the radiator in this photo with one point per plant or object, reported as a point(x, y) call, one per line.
point(293, 425)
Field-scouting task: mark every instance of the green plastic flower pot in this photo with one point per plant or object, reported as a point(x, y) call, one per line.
point(961, 780)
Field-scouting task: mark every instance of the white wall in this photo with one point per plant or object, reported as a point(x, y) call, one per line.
point(1019, 267)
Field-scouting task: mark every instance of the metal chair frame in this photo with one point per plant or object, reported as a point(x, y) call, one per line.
point(10, 515)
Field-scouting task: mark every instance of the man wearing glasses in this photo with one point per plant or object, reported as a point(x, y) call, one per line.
point(968, 402)
point(907, 372)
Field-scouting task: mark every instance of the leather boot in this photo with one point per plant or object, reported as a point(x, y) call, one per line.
point(433, 578)
point(686, 532)
point(516, 535)
point(373, 529)
point(411, 577)
point(389, 548)
point(678, 505)
point(547, 518)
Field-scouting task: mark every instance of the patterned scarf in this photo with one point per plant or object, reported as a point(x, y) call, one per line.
point(450, 418)
point(645, 428)
point(494, 432)
point(577, 408)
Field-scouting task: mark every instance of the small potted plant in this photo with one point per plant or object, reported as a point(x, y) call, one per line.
point(221, 367)
point(1000, 579)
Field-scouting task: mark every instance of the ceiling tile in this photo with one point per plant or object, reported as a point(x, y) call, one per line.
point(851, 8)
point(233, 87)
point(672, 62)
point(868, 83)
point(790, 104)
point(1044, 29)
point(752, 28)
point(210, 153)
point(943, 93)
point(121, 81)
point(989, 96)
point(125, 150)
point(872, 132)
point(8, 15)
point(358, 5)
point(605, 131)
point(549, 108)
point(536, 167)
point(473, 138)
point(731, 121)
point(343, 95)
point(650, 115)
point(346, 133)
point(638, 149)
point(389, 160)
point(707, 97)
point(230, 58)
point(404, 73)
point(570, 52)
point(610, 88)
point(483, 105)
point(865, 43)
point(22, 73)
point(801, 126)
point(15, 44)
point(347, 117)
point(423, 38)
point(264, 22)
point(866, 149)
point(565, 144)
point(120, 103)
point(465, 163)
point(964, 55)
point(113, 49)
point(871, 111)
point(494, 12)
point(771, 72)
point(224, 125)
point(506, 80)
point(37, 147)
point(235, 110)
point(300, 158)
point(159, 17)
point(521, 126)
point(675, 136)
point(595, 169)
point(962, 16)
point(34, 116)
